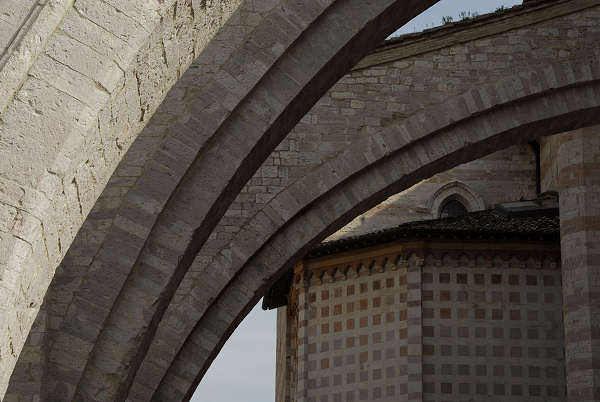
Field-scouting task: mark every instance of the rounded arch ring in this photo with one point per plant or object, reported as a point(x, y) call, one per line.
point(470, 126)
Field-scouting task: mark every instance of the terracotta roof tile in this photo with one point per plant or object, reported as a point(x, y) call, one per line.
point(488, 224)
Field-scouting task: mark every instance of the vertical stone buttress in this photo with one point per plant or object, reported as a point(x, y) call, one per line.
point(579, 187)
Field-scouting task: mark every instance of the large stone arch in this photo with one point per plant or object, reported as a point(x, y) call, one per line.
point(78, 82)
point(478, 123)
point(244, 100)
point(184, 139)
point(190, 306)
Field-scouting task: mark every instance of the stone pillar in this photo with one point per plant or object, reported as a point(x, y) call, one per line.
point(303, 315)
point(579, 188)
point(281, 365)
point(414, 309)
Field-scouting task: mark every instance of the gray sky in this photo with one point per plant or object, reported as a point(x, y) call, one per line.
point(244, 371)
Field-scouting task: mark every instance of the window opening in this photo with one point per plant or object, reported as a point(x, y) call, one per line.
point(452, 209)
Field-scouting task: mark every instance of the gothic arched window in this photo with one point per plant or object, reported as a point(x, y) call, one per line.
point(452, 208)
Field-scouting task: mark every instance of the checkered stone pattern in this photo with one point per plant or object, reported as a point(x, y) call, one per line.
point(355, 345)
point(492, 329)
point(303, 308)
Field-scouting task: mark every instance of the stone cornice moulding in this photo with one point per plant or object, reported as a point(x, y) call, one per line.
point(468, 30)
point(391, 257)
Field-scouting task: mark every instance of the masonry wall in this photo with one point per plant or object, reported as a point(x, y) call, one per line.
point(458, 325)
point(353, 338)
point(493, 330)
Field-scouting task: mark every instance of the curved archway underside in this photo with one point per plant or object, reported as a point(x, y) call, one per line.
point(240, 110)
point(139, 308)
point(331, 209)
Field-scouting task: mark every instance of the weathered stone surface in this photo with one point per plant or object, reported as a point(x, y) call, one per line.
point(66, 125)
point(123, 118)
point(289, 246)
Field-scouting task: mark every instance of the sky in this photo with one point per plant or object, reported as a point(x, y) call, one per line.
point(244, 371)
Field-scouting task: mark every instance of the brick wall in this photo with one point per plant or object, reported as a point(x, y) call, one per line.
point(492, 329)
point(463, 323)
point(356, 337)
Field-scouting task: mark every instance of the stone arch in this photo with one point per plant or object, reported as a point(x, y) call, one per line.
point(242, 112)
point(74, 83)
point(455, 190)
point(174, 158)
point(355, 181)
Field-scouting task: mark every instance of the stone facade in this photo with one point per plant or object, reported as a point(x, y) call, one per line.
point(425, 320)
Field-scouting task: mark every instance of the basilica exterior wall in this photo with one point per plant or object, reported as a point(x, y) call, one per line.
point(493, 330)
point(426, 321)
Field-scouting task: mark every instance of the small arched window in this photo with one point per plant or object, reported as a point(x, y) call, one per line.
point(452, 208)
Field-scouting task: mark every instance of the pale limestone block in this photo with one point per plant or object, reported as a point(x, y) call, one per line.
point(83, 59)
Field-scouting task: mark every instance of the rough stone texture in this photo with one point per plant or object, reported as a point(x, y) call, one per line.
point(197, 203)
point(24, 26)
point(332, 124)
point(186, 171)
point(325, 216)
point(71, 80)
point(579, 184)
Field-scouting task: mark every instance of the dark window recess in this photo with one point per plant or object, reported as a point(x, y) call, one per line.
point(452, 209)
